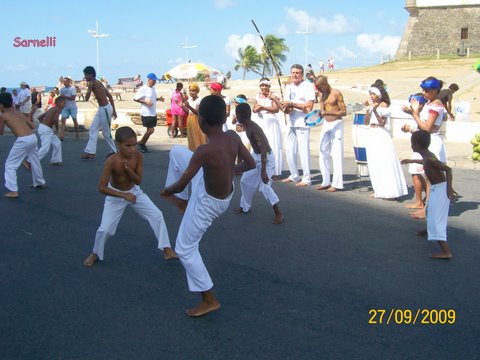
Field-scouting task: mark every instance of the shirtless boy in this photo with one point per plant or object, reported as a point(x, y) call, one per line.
point(332, 108)
point(47, 137)
point(102, 119)
point(120, 180)
point(261, 176)
point(24, 147)
point(441, 192)
point(210, 171)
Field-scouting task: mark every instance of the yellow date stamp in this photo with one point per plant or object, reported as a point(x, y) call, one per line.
point(412, 317)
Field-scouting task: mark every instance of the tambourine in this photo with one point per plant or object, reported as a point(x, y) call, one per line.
point(313, 118)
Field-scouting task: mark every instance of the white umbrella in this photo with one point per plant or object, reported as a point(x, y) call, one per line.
point(191, 70)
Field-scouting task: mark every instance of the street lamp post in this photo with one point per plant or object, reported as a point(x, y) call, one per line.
point(96, 35)
point(186, 47)
point(306, 33)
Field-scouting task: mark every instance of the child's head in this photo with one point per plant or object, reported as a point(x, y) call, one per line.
point(6, 101)
point(243, 112)
point(123, 133)
point(126, 140)
point(212, 110)
point(420, 140)
point(15, 92)
point(60, 101)
point(89, 73)
point(240, 99)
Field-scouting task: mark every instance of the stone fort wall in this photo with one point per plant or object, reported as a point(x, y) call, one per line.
point(439, 27)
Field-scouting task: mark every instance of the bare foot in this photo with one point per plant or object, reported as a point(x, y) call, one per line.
point(287, 180)
point(441, 255)
point(331, 189)
point(240, 211)
point(90, 260)
point(422, 232)
point(41, 186)
point(278, 219)
point(179, 203)
point(323, 187)
point(276, 177)
point(26, 164)
point(169, 254)
point(414, 206)
point(418, 214)
point(371, 196)
point(87, 156)
point(209, 303)
point(56, 164)
point(301, 184)
point(12, 195)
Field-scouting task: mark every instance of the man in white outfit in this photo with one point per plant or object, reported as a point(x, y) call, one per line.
point(332, 108)
point(299, 98)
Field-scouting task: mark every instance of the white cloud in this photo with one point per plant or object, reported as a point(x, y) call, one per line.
point(378, 44)
point(178, 60)
point(282, 30)
point(236, 42)
point(337, 25)
point(222, 4)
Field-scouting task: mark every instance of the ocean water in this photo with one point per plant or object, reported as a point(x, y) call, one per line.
point(47, 89)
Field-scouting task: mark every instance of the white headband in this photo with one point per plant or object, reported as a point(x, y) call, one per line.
point(265, 82)
point(375, 91)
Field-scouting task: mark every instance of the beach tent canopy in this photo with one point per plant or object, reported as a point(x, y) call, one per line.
point(190, 71)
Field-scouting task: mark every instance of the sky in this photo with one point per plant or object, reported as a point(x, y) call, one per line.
point(148, 36)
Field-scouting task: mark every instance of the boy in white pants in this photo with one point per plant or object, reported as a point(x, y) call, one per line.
point(120, 180)
point(260, 177)
point(210, 171)
point(24, 147)
point(47, 137)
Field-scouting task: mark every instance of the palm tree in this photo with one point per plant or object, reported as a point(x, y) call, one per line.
point(248, 60)
point(277, 49)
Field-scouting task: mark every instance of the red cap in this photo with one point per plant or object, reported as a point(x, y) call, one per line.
point(216, 86)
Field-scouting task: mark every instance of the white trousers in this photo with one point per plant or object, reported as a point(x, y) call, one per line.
point(101, 121)
point(112, 213)
point(436, 209)
point(251, 181)
point(47, 138)
point(297, 141)
point(331, 144)
point(201, 210)
point(23, 147)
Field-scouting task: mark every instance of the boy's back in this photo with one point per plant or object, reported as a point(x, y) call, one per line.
point(218, 160)
point(18, 123)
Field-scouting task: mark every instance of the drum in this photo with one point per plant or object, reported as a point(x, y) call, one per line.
point(359, 137)
point(359, 119)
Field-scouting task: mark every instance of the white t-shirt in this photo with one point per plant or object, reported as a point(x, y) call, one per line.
point(69, 91)
point(299, 94)
point(24, 94)
point(147, 92)
point(194, 103)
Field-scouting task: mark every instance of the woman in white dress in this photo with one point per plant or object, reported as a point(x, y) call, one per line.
point(428, 117)
point(266, 110)
point(386, 173)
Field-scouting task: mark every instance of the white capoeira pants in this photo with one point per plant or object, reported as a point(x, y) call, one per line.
point(112, 213)
point(47, 138)
point(297, 141)
point(101, 121)
point(271, 127)
point(23, 147)
point(437, 208)
point(201, 210)
point(331, 144)
point(251, 181)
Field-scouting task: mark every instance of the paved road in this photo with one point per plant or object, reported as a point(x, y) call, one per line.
point(301, 290)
